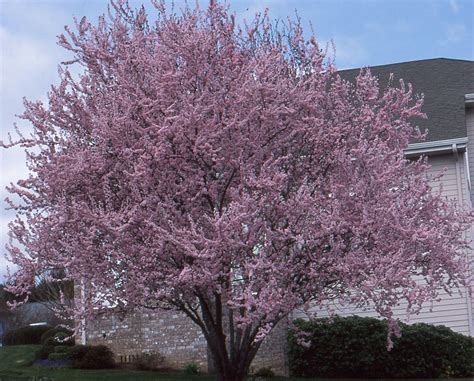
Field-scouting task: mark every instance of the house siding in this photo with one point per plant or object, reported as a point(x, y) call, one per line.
point(453, 310)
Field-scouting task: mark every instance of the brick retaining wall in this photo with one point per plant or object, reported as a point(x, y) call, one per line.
point(176, 337)
point(166, 332)
point(274, 351)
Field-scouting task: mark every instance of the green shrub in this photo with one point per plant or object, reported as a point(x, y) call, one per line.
point(61, 349)
point(58, 356)
point(424, 350)
point(91, 357)
point(264, 373)
point(49, 346)
point(77, 352)
point(191, 368)
point(149, 361)
point(62, 336)
point(59, 343)
point(356, 347)
point(44, 352)
point(50, 341)
point(25, 335)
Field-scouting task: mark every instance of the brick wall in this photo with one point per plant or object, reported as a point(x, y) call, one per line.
point(166, 332)
point(273, 352)
point(176, 337)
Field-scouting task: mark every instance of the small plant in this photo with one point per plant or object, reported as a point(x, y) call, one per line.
point(149, 361)
point(44, 352)
point(77, 352)
point(61, 349)
point(53, 344)
point(191, 368)
point(265, 372)
point(58, 356)
point(52, 363)
point(91, 357)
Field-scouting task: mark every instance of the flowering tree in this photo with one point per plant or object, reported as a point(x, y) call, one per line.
point(229, 174)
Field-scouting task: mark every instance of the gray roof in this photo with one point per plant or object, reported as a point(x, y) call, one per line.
point(444, 83)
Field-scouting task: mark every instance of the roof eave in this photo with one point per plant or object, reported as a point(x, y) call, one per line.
point(438, 147)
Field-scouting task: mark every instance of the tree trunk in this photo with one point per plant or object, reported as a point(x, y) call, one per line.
point(234, 368)
point(232, 349)
point(234, 372)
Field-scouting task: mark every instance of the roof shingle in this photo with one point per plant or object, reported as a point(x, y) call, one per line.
point(444, 83)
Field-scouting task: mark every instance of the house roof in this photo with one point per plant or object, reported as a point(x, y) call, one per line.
point(444, 82)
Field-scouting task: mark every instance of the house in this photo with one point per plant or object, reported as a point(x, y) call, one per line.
point(448, 86)
point(27, 314)
point(5, 315)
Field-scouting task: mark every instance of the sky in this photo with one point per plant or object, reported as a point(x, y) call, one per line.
point(364, 32)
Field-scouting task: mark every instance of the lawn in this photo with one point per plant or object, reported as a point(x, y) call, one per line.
point(15, 366)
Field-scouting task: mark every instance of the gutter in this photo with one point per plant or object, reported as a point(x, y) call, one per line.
point(469, 103)
point(469, 100)
point(438, 147)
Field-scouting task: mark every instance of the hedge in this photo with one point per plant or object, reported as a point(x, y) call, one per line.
point(25, 335)
point(91, 357)
point(356, 347)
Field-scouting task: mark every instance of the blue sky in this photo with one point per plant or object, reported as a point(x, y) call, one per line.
point(365, 33)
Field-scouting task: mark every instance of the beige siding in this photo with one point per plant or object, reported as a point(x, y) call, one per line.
point(452, 310)
point(470, 155)
point(470, 143)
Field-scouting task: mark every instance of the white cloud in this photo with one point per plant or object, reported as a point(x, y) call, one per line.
point(29, 58)
point(4, 265)
point(25, 62)
point(4, 220)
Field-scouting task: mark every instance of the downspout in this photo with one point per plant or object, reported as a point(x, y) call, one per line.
point(456, 152)
point(471, 269)
point(468, 175)
point(457, 157)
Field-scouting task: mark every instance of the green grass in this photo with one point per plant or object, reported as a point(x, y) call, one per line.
point(15, 365)
point(17, 357)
